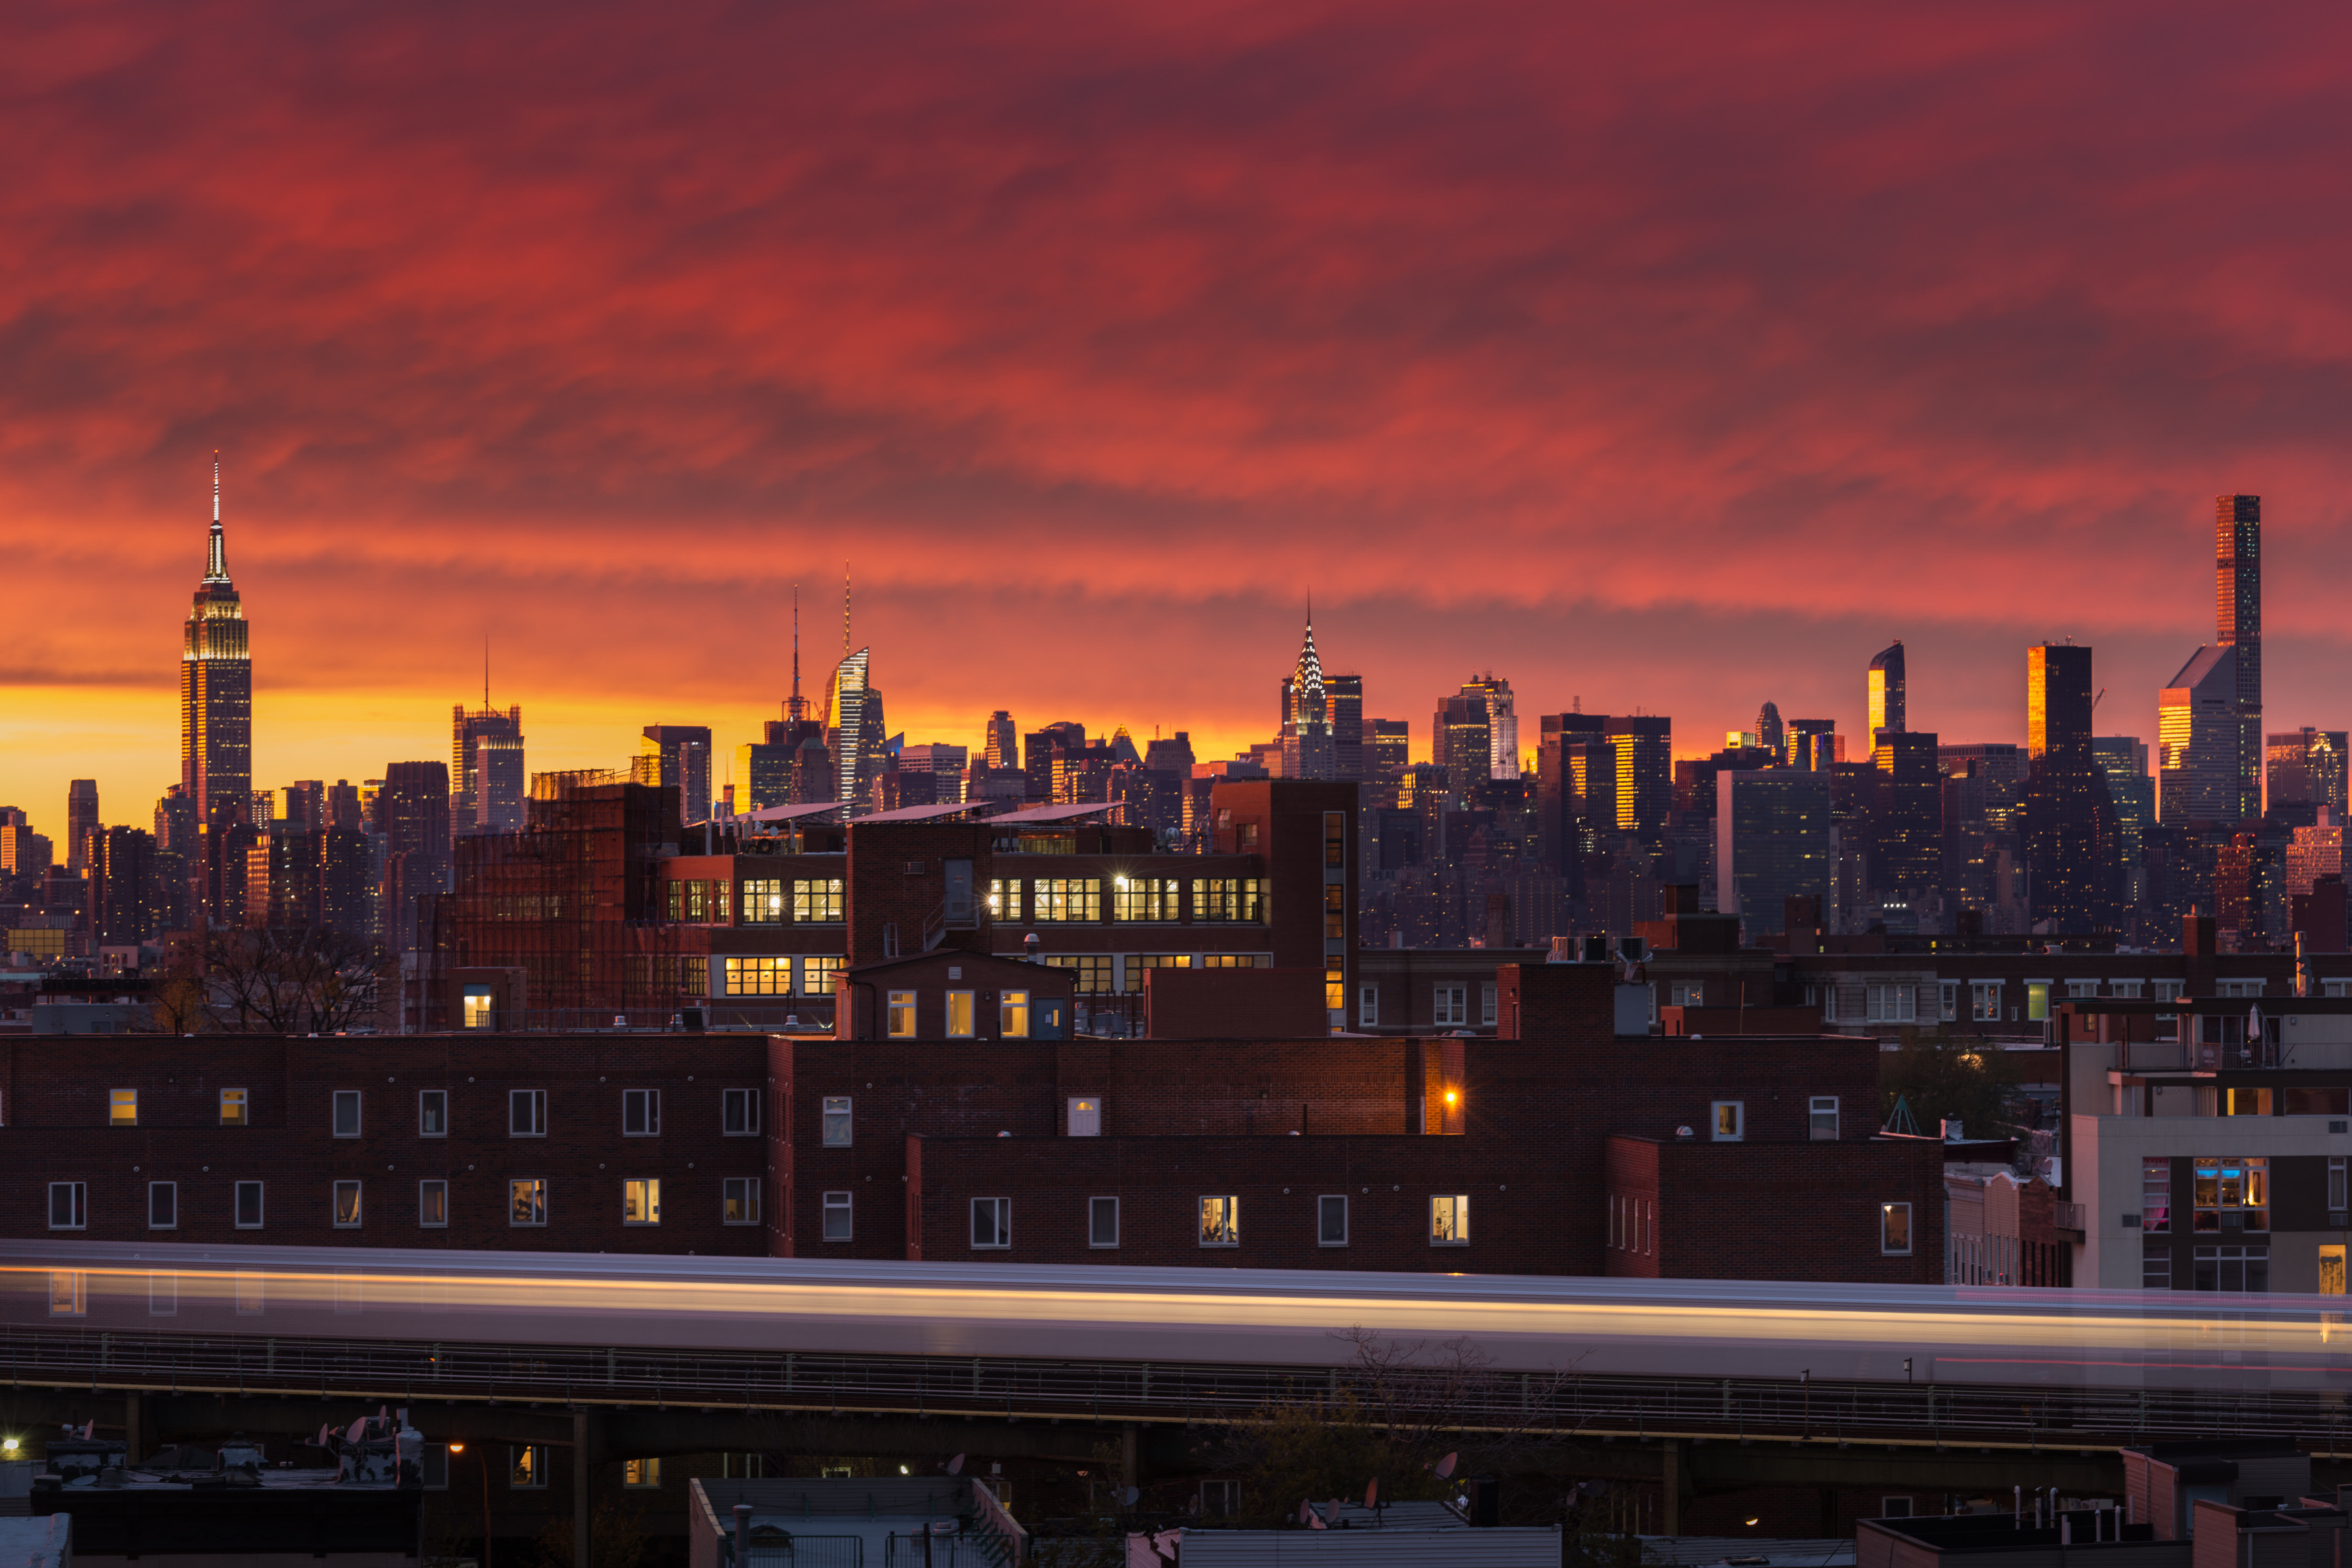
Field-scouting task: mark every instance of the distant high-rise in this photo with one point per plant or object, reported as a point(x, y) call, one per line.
point(2196, 737)
point(1347, 694)
point(853, 733)
point(1306, 731)
point(2306, 767)
point(81, 821)
point(122, 863)
point(1809, 744)
point(499, 784)
point(1886, 694)
point(466, 732)
point(1645, 748)
point(1475, 732)
point(2070, 820)
point(678, 754)
point(216, 692)
point(1772, 840)
point(412, 816)
point(1389, 744)
point(1003, 747)
point(2238, 624)
point(1769, 730)
point(1905, 815)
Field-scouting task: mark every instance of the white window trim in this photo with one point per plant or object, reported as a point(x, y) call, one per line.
point(1368, 1007)
point(1001, 1222)
point(538, 1102)
point(236, 1205)
point(848, 1207)
point(546, 1202)
point(751, 1103)
point(1234, 1221)
point(421, 1094)
point(1909, 1230)
point(1461, 1219)
point(751, 1185)
point(174, 1188)
point(78, 1206)
point(653, 1185)
point(1346, 1219)
point(442, 1223)
point(825, 1113)
point(892, 1001)
point(971, 1011)
point(652, 1109)
point(1739, 1119)
point(335, 1113)
point(244, 1107)
point(1113, 1243)
point(1815, 1105)
point(359, 1206)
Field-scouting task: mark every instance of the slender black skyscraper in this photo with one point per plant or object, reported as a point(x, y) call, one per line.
point(216, 693)
point(1887, 709)
point(2238, 623)
point(2070, 817)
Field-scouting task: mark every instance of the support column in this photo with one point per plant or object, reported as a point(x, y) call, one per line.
point(1670, 1469)
point(584, 1466)
point(1127, 1458)
point(136, 1436)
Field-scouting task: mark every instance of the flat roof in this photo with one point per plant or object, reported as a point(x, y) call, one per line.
point(1057, 813)
point(919, 812)
point(781, 813)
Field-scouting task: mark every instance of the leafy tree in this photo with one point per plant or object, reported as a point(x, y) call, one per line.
point(1941, 1077)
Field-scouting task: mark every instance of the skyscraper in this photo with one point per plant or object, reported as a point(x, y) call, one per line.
point(466, 732)
point(2238, 624)
point(216, 692)
point(678, 754)
point(1003, 747)
point(412, 816)
point(1772, 839)
point(1475, 732)
point(1769, 730)
point(1809, 744)
point(2070, 820)
point(1306, 734)
point(1347, 694)
point(1886, 694)
point(1906, 815)
point(2306, 767)
point(854, 734)
point(2197, 738)
point(81, 821)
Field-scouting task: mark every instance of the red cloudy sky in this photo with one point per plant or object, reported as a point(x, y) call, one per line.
point(1672, 357)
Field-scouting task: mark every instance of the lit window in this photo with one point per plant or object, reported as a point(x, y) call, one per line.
point(1984, 1001)
point(1331, 1220)
point(526, 1201)
point(1102, 1222)
point(1061, 899)
point(641, 1200)
point(2232, 1194)
point(1220, 1222)
point(836, 1216)
point(248, 1205)
point(1089, 971)
point(1449, 1219)
point(1086, 1118)
point(1147, 899)
point(817, 974)
point(347, 1205)
point(347, 1113)
point(2037, 1000)
point(1226, 898)
point(817, 901)
point(1004, 898)
point(1822, 1118)
point(739, 1112)
point(741, 1200)
point(1013, 1014)
point(2155, 1195)
point(837, 1122)
point(646, 1473)
point(68, 1293)
point(122, 1108)
point(1895, 1229)
point(232, 1107)
point(961, 1013)
point(758, 976)
point(763, 902)
point(992, 1223)
point(640, 1113)
point(249, 1292)
point(433, 1204)
point(527, 1468)
point(1729, 1120)
point(902, 1015)
point(162, 1206)
point(480, 1007)
point(68, 1205)
point(433, 1113)
point(1335, 912)
point(527, 1113)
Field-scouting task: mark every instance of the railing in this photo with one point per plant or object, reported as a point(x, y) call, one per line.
point(2067, 1216)
point(110, 1363)
point(798, 1552)
point(777, 1014)
point(1117, 1013)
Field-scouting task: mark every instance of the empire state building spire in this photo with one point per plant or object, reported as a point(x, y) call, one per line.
point(216, 556)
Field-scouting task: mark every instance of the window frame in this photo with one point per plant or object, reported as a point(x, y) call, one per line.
point(438, 1186)
point(348, 1187)
point(536, 1189)
point(1323, 1203)
point(171, 1202)
point(1816, 1107)
point(1368, 1007)
point(1013, 1007)
point(844, 1106)
point(77, 1207)
point(1226, 1230)
point(260, 1207)
point(641, 1474)
point(1000, 1219)
point(1094, 1229)
point(243, 1104)
point(744, 1190)
point(963, 1021)
point(1715, 1133)
point(536, 1100)
point(847, 1208)
point(898, 1014)
point(1886, 1230)
point(1489, 1004)
point(117, 1099)
point(68, 1293)
point(1449, 1219)
point(1449, 1006)
point(647, 1103)
point(738, 1114)
point(439, 1099)
point(527, 1468)
point(645, 1192)
point(346, 1099)
point(2339, 1185)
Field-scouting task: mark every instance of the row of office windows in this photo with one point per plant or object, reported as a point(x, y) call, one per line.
point(1449, 1006)
point(1048, 900)
point(766, 901)
point(809, 975)
point(526, 1201)
point(1986, 1001)
point(1728, 1119)
point(1102, 974)
point(2227, 1193)
point(963, 1014)
point(1220, 1216)
point(739, 1111)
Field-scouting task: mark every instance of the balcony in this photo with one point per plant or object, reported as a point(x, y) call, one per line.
point(2069, 1218)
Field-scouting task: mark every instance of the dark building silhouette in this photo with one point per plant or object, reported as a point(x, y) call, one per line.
point(1770, 732)
point(2070, 818)
point(81, 821)
point(679, 756)
point(1887, 697)
point(500, 808)
point(2238, 624)
point(411, 817)
point(122, 886)
point(1907, 817)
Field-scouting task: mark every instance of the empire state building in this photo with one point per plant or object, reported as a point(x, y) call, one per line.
point(216, 694)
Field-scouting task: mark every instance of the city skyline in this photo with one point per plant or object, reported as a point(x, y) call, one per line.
point(1938, 333)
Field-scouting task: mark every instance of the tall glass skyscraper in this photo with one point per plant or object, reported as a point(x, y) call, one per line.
point(1886, 694)
point(2238, 624)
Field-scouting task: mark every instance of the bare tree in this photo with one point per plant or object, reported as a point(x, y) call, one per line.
point(298, 980)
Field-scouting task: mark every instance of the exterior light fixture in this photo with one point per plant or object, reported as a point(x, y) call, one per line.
point(8, 1446)
point(1450, 1097)
point(903, 1470)
point(456, 1447)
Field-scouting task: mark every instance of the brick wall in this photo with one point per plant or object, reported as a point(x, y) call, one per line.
point(1233, 1004)
point(1799, 1210)
point(55, 1102)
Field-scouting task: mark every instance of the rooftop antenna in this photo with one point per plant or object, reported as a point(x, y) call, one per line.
point(845, 609)
point(216, 555)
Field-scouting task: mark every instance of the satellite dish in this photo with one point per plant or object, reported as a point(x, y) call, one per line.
point(1314, 1521)
point(1446, 1466)
point(1126, 1496)
point(955, 1466)
point(326, 1434)
point(1306, 1511)
point(1373, 1493)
